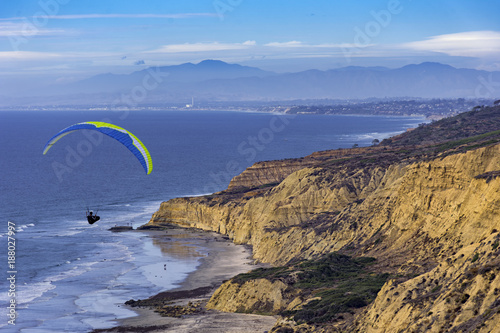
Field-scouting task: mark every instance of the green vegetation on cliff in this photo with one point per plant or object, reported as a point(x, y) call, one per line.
point(336, 283)
point(465, 125)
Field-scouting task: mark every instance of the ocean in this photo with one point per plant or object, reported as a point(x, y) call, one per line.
point(63, 274)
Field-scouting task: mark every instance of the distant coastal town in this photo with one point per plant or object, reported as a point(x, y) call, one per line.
point(433, 109)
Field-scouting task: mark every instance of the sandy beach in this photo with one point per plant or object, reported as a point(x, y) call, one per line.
point(223, 260)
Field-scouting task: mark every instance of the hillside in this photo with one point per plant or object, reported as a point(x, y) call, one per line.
point(400, 237)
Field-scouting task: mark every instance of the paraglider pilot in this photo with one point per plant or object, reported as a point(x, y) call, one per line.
point(92, 218)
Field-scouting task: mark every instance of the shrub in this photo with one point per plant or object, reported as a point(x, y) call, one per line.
point(340, 282)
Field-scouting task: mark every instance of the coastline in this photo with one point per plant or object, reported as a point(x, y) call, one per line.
point(222, 261)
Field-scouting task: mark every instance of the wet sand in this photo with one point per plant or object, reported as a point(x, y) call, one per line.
point(223, 261)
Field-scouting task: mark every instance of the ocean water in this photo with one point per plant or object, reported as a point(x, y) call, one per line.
point(72, 276)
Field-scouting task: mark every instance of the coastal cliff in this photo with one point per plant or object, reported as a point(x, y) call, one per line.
point(423, 215)
point(272, 172)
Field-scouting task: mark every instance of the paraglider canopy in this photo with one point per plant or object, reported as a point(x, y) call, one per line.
point(128, 139)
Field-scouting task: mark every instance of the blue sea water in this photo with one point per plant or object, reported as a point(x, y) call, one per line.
point(72, 276)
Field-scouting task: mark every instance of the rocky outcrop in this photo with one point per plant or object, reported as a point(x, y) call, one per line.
point(272, 172)
point(260, 295)
point(263, 173)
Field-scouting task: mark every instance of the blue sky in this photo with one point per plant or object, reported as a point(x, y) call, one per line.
point(65, 40)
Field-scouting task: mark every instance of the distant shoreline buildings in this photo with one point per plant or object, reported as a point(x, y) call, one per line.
point(192, 103)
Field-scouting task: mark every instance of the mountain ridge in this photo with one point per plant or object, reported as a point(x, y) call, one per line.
point(215, 80)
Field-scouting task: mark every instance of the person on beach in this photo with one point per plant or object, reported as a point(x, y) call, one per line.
point(92, 218)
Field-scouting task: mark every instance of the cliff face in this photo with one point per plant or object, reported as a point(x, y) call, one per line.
point(263, 173)
point(275, 222)
point(315, 211)
point(259, 295)
point(461, 294)
point(272, 172)
point(432, 223)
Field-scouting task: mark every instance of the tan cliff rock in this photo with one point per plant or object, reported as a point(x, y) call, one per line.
point(266, 172)
point(259, 295)
point(461, 294)
point(423, 221)
point(262, 173)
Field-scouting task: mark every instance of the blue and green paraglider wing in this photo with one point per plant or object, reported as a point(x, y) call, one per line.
point(122, 135)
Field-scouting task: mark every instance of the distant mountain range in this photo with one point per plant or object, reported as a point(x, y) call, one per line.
point(213, 80)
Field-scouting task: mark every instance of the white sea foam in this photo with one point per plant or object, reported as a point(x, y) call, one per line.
point(147, 207)
point(138, 215)
point(23, 227)
point(196, 195)
point(67, 233)
point(368, 136)
point(32, 291)
point(119, 205)
point(81, 227)
point(25, 294)
point(107, 303)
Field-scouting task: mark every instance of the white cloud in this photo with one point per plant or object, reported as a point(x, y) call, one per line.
point(27, 29)
point(203, 47)
point(467, 44)
point(265, 49)
point(27, 55)
point(479, 44)
point(292, 43)
point(298, 44)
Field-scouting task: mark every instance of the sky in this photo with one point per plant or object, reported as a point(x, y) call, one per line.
point(67, 40)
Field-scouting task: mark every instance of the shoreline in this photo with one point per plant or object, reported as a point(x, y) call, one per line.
point(433, 116)
point(223, 260)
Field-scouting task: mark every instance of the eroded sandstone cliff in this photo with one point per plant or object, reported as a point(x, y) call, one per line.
point(429, 214)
